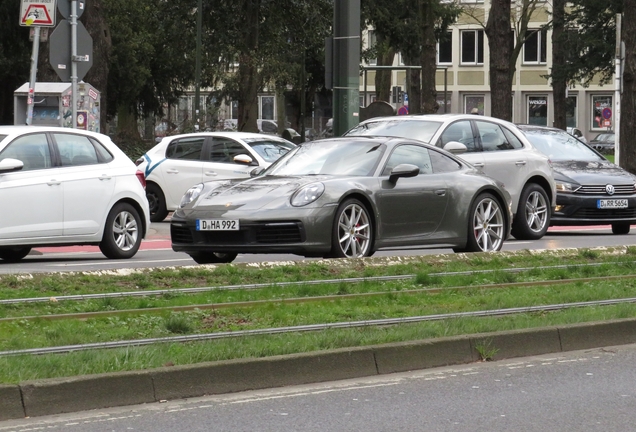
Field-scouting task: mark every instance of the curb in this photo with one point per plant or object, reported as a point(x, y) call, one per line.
point(63, 395)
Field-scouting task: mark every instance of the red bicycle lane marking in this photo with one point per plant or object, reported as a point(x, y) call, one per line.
point(151, 244)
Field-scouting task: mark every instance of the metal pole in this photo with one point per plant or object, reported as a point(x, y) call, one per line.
point(197, 73)
point(74, 63)
point(618, 79)
point(34, 69)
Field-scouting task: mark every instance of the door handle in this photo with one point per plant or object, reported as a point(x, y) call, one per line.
point(520, 163)
point(211, 173)
point(105, 177)
point(53, 182)
point(478, 165)
point(172, 171)
point(440, 192)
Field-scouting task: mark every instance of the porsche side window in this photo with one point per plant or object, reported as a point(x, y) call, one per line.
point(442, 163)
point(512, 139)
point(223, 150)
point(188, 149)
point(460, 131)
point(32, 150)
point(492, 137)
point(75, 150)
point(409, 154)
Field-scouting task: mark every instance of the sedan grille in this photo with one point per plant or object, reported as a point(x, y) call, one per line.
point(594, 213)
point(278, 233)
point(624, 189)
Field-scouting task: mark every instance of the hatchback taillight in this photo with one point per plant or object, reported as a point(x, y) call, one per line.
point(141, 177)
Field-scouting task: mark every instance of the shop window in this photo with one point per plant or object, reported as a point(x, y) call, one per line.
point(538, 110)
point(474, 104)
point(599, 104)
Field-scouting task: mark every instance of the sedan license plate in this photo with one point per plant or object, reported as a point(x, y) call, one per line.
point(217, 225)
point(611, 203)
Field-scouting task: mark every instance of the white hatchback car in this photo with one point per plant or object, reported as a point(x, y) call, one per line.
point(181, 161)
point(62, 186)
point(497, 147)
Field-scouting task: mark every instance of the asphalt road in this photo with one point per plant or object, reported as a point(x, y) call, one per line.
point(156, 251)
point(580, 391)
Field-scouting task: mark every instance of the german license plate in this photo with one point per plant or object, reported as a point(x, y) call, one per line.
point(217, 225)
point(611, 203)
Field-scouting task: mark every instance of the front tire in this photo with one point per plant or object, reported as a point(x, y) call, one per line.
point(620, 228)
point(213, 257)
point(352, 233)
point(487, 225)
point(533, 214)
point(156, 202)
point(14, 253)
point(121, 238)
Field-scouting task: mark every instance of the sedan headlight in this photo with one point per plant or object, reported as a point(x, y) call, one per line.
point(566, 187)
point(307, 194)
point(191, 195)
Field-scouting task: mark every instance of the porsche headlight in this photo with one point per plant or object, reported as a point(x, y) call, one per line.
point(191, 195)
point(566, 187)
point(307, 194)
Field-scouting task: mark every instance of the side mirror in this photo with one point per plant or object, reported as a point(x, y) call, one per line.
point(403, 170)
point(257, 171)
point(9, 165)
point(455, 147)
point(243, 159)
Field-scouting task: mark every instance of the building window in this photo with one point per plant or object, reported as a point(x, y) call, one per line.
point(472, 47)
point(445, 49)
point(601, 104)
point(371, 44)
point(538, 110)
point(474, 103)
point(267, 107)
point(535, 47)
point(571, 111)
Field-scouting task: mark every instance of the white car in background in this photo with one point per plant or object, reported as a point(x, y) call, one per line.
point(495, 146)
point(62, 186)
point(179, 162)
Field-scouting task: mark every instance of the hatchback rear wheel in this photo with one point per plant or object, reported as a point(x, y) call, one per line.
point(14, 253)
point(156, 202)
point(122, 236)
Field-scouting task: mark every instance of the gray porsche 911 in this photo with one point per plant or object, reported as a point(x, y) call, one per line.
point(345, 198)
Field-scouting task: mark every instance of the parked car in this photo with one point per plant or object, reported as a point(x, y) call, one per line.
point(345, 198)
point(590, 189)
point(495, 146)
point(577, 133)
point(604, 142)
point(63, 186)
point(180, 161)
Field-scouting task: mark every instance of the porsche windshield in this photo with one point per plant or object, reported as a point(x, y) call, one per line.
point(422, 130)
point(341, 157)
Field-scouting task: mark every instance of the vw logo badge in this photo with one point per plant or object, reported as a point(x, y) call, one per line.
point(610, 189)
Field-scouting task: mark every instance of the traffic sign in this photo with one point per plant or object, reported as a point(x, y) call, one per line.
point(60, 50)
point(403, 110)
point(37, 13)
point(607, 113)
point(64, 6)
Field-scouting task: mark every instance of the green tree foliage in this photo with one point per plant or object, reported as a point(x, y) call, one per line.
point(406, 26)
point(589, 35)
point(15, 54)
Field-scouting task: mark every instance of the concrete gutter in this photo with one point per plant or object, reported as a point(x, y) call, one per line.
point(63, 395)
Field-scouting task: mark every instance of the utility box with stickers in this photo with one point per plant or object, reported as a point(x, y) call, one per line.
point(52, 105)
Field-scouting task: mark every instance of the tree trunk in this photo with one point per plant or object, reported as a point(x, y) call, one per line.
point(428, 57)
point(386, 55)
point(499, 35)
point(413, 85)
point(559, 83)
point(248, 71)
point(627, 155)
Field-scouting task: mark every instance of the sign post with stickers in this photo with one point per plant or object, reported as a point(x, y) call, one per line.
point(36, 13)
